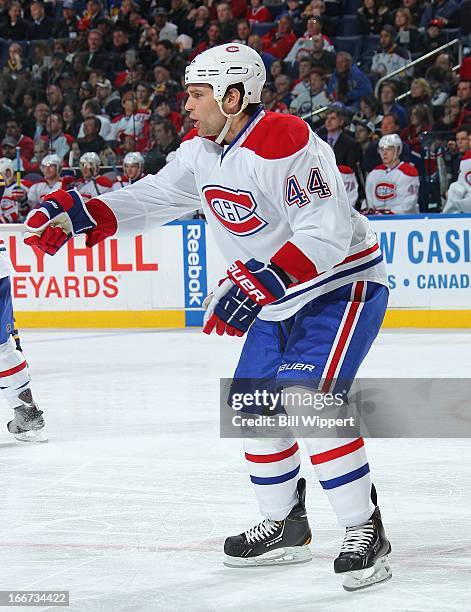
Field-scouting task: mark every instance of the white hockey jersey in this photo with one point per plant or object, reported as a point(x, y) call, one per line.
point(350, 183)
point(12, 207)
point(91, 188)
point(459, 192)
point(37, 190)
point(274, 193)
point(396, 190)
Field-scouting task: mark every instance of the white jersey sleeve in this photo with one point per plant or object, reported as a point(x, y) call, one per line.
point(157, 198)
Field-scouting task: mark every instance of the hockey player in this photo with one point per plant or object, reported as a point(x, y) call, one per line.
point(28, 423)
point(51, 166)
point(350, 183)
point(92, 184)
point(394, 185)
point(459, 192)
point(133, 169)
point(14, 201)
point(306, 281)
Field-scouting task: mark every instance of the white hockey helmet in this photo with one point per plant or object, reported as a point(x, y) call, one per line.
point(6, 164)
point(227, 65)
point(134, 158)
point(91, 161)
point(52, 160)
point(391, 140)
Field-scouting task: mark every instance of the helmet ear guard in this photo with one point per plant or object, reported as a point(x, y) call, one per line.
point(227, 65)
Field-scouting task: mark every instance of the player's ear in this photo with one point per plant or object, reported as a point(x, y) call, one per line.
point(233, 100)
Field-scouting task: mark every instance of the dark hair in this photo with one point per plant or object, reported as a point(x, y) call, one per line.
point(168, 126)
point(96, 121)
point(166, 43)
point(394, 116)
point(390, 84)
point(250, 109)
point(92, 105)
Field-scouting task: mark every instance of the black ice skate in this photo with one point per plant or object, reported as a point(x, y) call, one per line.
point(273, 542)
point(28, 424)
point(363, 557)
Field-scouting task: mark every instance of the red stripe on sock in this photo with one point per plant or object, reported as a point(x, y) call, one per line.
point(274, 456)
point(335, 453)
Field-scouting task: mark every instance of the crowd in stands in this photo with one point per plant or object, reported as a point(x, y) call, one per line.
point(107, 78)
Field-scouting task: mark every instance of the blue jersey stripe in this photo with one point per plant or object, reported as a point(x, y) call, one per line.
point(345, 478)
point(2, 249)
point(365, 266)
point(269, 480)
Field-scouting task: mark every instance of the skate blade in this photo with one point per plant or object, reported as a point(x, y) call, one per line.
point(280, 556)
point(32, 437)
point(362, 579)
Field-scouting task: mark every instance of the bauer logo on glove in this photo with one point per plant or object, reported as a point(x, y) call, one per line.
point(57, 219)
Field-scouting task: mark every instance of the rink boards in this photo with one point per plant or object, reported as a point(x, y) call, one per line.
point(161, 278)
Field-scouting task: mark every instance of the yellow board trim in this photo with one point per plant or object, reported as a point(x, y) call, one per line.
point(100, 319)
point(427, 318)
point(395, 318)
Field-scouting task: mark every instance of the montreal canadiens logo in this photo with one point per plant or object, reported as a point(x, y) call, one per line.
point(467, 177)
point(234, 209)
point(385, 191)
point(232, 49)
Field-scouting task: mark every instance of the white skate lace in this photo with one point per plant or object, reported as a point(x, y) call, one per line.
point(263, 530)
point(357, 539)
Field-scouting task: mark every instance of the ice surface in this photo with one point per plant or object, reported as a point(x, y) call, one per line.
point(129, 503)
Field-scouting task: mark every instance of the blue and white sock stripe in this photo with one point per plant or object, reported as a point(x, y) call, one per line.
point(275, 467)
point(344, 479)
point(272, 480)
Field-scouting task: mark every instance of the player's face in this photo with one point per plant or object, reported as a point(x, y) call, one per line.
point(50, 172)
point(131, 171)
point(204, 110)
point(388, 155)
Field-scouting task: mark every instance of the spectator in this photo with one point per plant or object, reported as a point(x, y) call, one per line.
point(415, 8)
point(270, 101)
point(212, 39)
point(320, 57)
point(91, 142)
point(26, 144)
point(196, 24)
point(41, 63)
point(165, 138)
point(165, 29)
point(457, 148)
point(433, 38)
point(133, 122)
point(436, 79)
point(9, 151)
point(178, 12)
point(167, 57)
point(304, 46)
point(420, 92)
point(94, 12)
point(15, 65)
point(388, 105)
point(292, 9)
point(40, 27)
point(283, 89)
point(446, 10)
point(71, 120)
point(15, 28)
point(464, 94)
point(407, 35)
point(226, 22)
point(164, 111)
point(369, 113)
point(58, 142)
point(389, 56)
point(347, 150)
point(109, 99)
point(255, 42)
point(91, 108)
point(257, 13)
point(242, 32)
point(164, 85)
point(389, 125)
point(348, 83)
point(317, 8)
point(37, 128)
point(279, 41)
point(55, 99)
point(96, 56)
point(25, 112)
point(372, 16)
point(420, 121)
point(119, 47)
point(143, 96)
point(311, 96)
point(363, 135)
point(59, 70)
point(67, 27)
point(40, 151)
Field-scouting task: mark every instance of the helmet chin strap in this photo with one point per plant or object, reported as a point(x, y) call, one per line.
point(229, 119)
